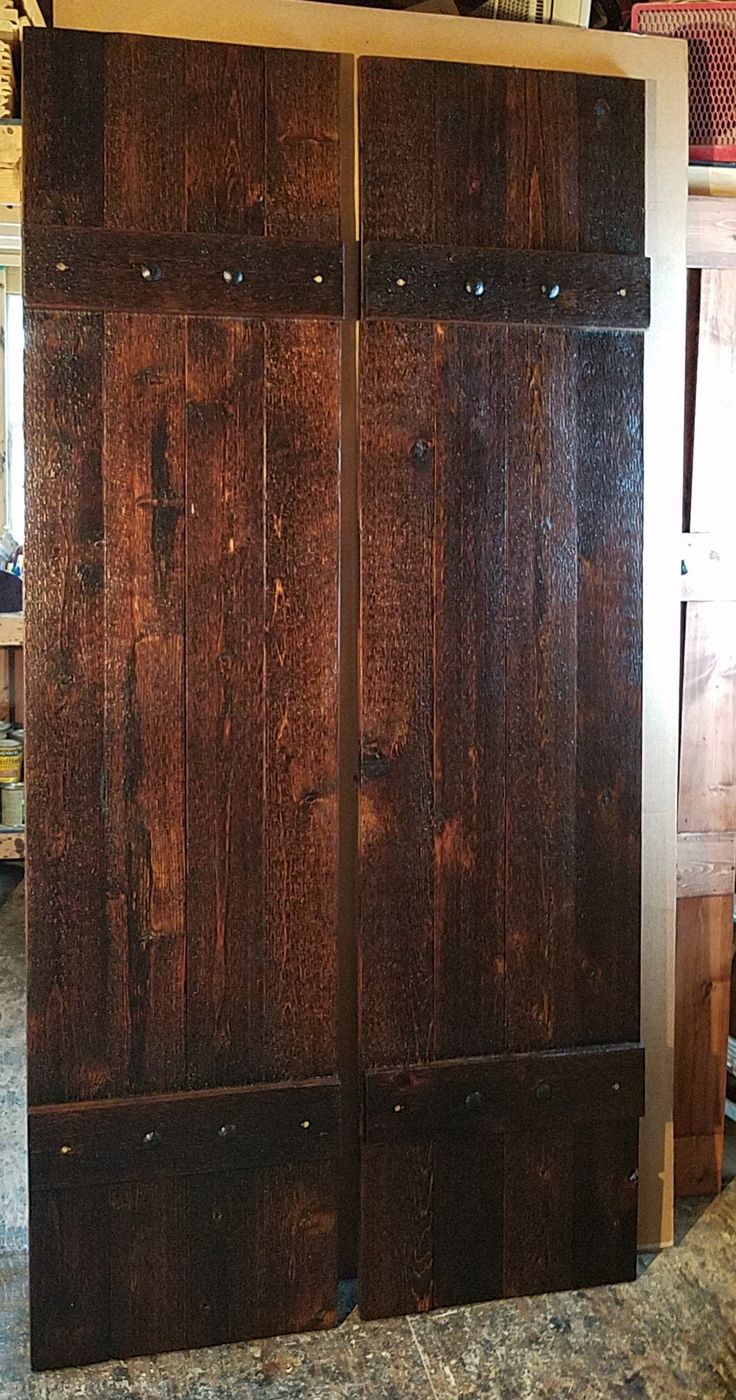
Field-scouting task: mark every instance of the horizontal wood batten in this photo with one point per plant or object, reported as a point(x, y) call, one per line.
point(181, 273)
point(504, 1093)
point(597, 291)
point(180, 1134)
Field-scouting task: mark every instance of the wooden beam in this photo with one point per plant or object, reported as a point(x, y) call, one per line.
point(711, 231)
point(708, 736)
point(703, 988)
point(706, 863)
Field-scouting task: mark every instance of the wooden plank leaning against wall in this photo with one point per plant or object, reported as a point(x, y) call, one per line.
point(707, 796)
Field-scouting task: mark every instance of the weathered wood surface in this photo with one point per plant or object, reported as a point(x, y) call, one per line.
point(485, 284)
point(501, 678)
point(190, 273)
point(183, 601)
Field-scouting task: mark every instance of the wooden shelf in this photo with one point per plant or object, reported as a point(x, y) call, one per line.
point(12, 843)
point(11, 629)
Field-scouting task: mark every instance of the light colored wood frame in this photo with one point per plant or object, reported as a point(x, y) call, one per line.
point(662, 64)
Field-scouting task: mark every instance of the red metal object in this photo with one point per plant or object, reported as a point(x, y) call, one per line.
point(710, 31)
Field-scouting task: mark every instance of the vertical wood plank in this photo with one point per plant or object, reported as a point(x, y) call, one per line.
point(609, 369)
point(713, 495)
point(539, 1210)
point(302, 145)
point(69, 1051)
point(225, 154)
point(225, 702)
point(302, 371)
point(144, 133)
point(470, 155)
point(707, 799)
point(541, 679)
point(397, 194)
point(604, 1189)
point(395, 1268)
point(397, 791)
point(147, 1251)
point(541, 161)
point(468, 1203)
point(469, 692)
point(69, 1277)
point(702, 998)
point(610, 138)
point(143, 468)
point(261, 1253)
point(63, 109)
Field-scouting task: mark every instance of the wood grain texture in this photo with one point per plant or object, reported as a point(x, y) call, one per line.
point(225, 702)
point(144, 473)
point(706, 863)
point(70, 1053)
point(469, 719)
point(702, 1007)
point(301, 608)
point(456, 283)
point(209, 274)
point(183, 689)
point(713, 492)
point(494, 673)
point(610, 472)
point(165, 1135)
point(707, 797)
point(541, 670)
point(63, 162)
point(397, 818)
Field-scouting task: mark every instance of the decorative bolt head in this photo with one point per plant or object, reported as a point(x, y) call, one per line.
point(398, 1107)
point(615, 1086)
point(420, 450)
point(65, 1150)
point(622, 291)
point(150, 272)
point(151, 1139)
point(552, 292)
point(228, 1130)
point(475, 287)
point(62, 267)
point(400, 281)
point(474, 1100)
point(305, 1123)
point(318, 278)
point(233, 277)
point(543, 1092)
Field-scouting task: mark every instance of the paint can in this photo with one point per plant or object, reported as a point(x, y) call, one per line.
point(11, 761)
point(4, 728)
point(13, 811)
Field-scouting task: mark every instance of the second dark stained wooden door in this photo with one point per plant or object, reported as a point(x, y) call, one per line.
point(500, 492)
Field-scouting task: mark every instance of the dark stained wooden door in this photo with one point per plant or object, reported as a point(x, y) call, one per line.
point(184, 291)
point(504, 297)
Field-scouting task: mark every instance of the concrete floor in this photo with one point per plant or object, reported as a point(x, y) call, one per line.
point(670, 1334)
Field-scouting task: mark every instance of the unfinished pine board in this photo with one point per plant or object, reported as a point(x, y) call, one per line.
point(708, 739)
point(713, 499)
point(703, 985)
point(706, 863)
point(708, 568)
point(11, 629)
point(711, 231)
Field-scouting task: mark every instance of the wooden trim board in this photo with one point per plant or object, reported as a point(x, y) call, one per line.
point(662, 63)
